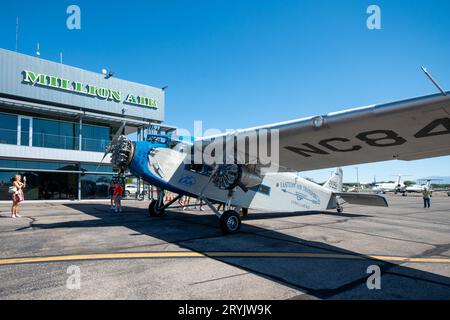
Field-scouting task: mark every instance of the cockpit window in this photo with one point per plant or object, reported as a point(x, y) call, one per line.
point(157, 139)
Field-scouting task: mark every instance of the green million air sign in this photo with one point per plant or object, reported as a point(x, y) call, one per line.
point(89, 90)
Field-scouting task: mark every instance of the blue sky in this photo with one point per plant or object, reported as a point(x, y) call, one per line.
point(237, 64)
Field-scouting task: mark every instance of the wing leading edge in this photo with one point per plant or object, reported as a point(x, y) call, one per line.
point(405, 130)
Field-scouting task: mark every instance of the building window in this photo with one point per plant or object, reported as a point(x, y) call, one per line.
point(95, 138)
point(42, 185)
point(8, 129)
point(47, 133)
point(55, 134)
point(54, 180)
point(54, 166)
point(94, 186)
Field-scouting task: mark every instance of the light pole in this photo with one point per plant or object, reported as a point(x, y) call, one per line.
point(357, 176)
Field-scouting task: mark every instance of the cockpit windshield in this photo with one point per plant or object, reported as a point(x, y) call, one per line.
point(157, 139)
point(173, 144)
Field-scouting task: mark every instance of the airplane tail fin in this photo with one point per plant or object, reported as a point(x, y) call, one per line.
point(335, 182)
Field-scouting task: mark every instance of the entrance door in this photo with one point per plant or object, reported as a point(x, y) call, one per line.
point(25, 131)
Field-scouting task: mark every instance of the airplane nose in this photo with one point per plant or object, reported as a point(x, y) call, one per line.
point(122, 153)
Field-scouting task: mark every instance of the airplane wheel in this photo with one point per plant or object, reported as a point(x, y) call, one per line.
point(244, 212)
point(230, 222)
point(340, 210)
point(153, 210)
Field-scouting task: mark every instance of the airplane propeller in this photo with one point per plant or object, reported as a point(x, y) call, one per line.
point(113, 142)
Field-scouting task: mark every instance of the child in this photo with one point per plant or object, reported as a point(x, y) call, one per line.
point(118, 192)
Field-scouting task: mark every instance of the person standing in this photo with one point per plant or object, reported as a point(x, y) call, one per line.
point(426, 198)
point(201, 204)
point(111, 193)
point(17, 196)
point(118, 193)
point(186, 202)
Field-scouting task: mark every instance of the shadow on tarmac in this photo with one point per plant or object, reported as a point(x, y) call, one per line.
point(329, 278)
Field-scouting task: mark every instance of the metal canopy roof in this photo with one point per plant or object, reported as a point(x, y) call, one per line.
point(52, 110)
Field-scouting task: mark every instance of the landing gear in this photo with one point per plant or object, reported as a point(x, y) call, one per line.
point(157, 207)
point(339, 208)
point(230, 222)
point(155, 210)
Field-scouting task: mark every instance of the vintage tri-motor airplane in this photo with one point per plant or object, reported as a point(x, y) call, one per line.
point(405, 130)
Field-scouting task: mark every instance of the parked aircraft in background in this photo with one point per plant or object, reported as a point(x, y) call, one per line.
point(397, 187)
point(418, 188)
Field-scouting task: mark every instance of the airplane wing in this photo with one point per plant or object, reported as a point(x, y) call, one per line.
point(405, 130)
point(364, 199)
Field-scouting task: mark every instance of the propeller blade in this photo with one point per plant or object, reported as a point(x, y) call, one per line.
point(117, 135)
point(113, 142)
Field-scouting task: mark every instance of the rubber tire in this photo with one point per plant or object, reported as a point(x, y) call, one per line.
point(244, 212)
point(230, 222)
point(152, 210)
point(340, 210)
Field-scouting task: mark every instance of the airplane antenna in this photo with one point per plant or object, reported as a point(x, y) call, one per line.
point(432, 80)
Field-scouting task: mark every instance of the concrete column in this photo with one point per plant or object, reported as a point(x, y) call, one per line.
point(80, 134)
point(79, 186)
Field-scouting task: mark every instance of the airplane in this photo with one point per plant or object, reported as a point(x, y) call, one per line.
point(418, 188)
point(405, 130)
point(396, 187)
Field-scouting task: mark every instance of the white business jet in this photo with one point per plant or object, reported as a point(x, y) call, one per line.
point(396, 187)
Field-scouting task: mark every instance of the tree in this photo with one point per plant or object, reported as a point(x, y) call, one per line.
point(409, 183)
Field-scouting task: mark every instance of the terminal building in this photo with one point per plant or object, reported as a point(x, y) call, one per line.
point(56, 122)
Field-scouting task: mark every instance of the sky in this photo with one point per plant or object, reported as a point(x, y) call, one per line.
point(236, 64)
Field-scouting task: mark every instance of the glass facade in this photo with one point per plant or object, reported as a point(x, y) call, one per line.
point(54, 180)
point(25, 127)
point(40, 165)
point(94, 186)
point(42, 185)
point(45, 181)
point(49, 133)
point(55, 134)
point(8, 129)
point(95, 138)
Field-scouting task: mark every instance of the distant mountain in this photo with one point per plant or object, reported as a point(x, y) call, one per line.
point(442, 179)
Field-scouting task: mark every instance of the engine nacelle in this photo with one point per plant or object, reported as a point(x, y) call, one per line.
point(229, 176)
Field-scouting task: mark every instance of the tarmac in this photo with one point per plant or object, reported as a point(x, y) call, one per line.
point(83, 250)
